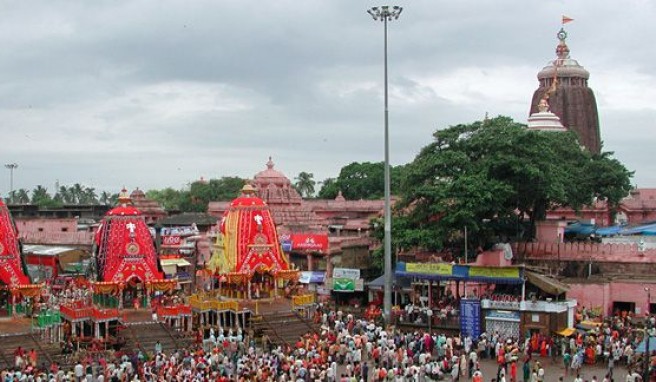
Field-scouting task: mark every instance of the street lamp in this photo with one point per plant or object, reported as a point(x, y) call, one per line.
point(11, 167)
point(647, 338)
point(386, 13)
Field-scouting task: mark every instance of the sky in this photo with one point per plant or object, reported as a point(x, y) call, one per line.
point(155, 94)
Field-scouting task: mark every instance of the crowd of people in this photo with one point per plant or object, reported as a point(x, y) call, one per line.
point(346, 349)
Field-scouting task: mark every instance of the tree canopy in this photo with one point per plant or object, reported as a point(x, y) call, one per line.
point(488, 174)
point(199, 194)
point(361, 181)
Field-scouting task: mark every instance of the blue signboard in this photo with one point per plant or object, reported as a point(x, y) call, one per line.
point(470, 317)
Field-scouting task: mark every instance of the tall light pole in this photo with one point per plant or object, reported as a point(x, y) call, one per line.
point(386, 13)
point(11, 167)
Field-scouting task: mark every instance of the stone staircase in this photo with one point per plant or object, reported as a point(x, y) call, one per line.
point(283, 327)
point(46, 352)
point(144, 336)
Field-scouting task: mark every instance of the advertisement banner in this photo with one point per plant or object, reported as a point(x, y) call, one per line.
point(346, 273)
point(171, 240)
point(441, 269)
point(508, 273)
point(309, 242)
point(342, 284)
point(470, 317)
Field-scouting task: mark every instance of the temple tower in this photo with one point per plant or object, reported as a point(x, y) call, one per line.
point(564, 83)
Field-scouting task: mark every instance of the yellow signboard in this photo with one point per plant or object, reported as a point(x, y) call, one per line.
point(507, 273)
point(441, 269)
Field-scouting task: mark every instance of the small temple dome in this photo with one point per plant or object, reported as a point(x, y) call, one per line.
point(274, 187)
point(271, 176)
point(545, 121)
point(137, 194)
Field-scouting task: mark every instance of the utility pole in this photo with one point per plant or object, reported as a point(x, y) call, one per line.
point(11, 167)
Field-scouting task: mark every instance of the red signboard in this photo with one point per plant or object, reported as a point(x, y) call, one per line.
point(171, 240)
point(309, 242)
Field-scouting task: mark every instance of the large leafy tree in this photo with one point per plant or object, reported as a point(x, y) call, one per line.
point(361, 180)
point(487, 174)
point(305, 184)
point(199, 194)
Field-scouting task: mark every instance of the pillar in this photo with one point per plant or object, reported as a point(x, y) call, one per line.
point(310, 262)
point(430, 294)
point(96, 330)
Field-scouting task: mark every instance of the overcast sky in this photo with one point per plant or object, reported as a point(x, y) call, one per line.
point(152, 94)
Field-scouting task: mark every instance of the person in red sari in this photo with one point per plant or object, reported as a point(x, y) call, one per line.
point(543, 348)
point(589, 355)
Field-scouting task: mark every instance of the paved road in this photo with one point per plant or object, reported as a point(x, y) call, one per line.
point(552, 371)
point(557, 370)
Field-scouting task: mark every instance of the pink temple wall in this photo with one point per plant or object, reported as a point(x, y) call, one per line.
point(603, 295)
point(620, 253)
point(61, 231)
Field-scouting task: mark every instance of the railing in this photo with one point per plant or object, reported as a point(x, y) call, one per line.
point(47, 318)
point(627, 253)
point(504, 305)
point(546, 306)
point(76, 313)
point(302, 300)
point(422, 320)
point(202, 305)
point(174, 311)
point(69, 238)
point(105, 314)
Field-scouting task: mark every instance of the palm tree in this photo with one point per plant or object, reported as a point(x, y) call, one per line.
point(40, 195)
point(77, 192)
point(305, 184)
point(63, 195)
point(104, 198)
point(89, 196)
point(20, 196)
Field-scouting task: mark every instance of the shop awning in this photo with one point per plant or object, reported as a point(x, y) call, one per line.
point(177, 262)
point(566, 332)
point(546, 284)
point(170, 266)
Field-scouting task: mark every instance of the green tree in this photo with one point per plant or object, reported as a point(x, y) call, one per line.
point(485, 174)
point(42, 198)
point(64, 195)
point(20, 196)
point(88, 196)
point(364, 180)
point(104, 198)
point(168, 198)
point(305, 184)
point(77, 193)
point(329, 189)
point(199, 195)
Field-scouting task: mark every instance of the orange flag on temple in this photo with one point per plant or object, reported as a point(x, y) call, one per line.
point(567, 19)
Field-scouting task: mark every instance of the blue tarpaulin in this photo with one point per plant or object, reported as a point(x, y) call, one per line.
point(638, 230)
point(582, 229)
point(609, 231)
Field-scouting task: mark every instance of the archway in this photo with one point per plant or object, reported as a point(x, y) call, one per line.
point(135, 293)
point(262, 284)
